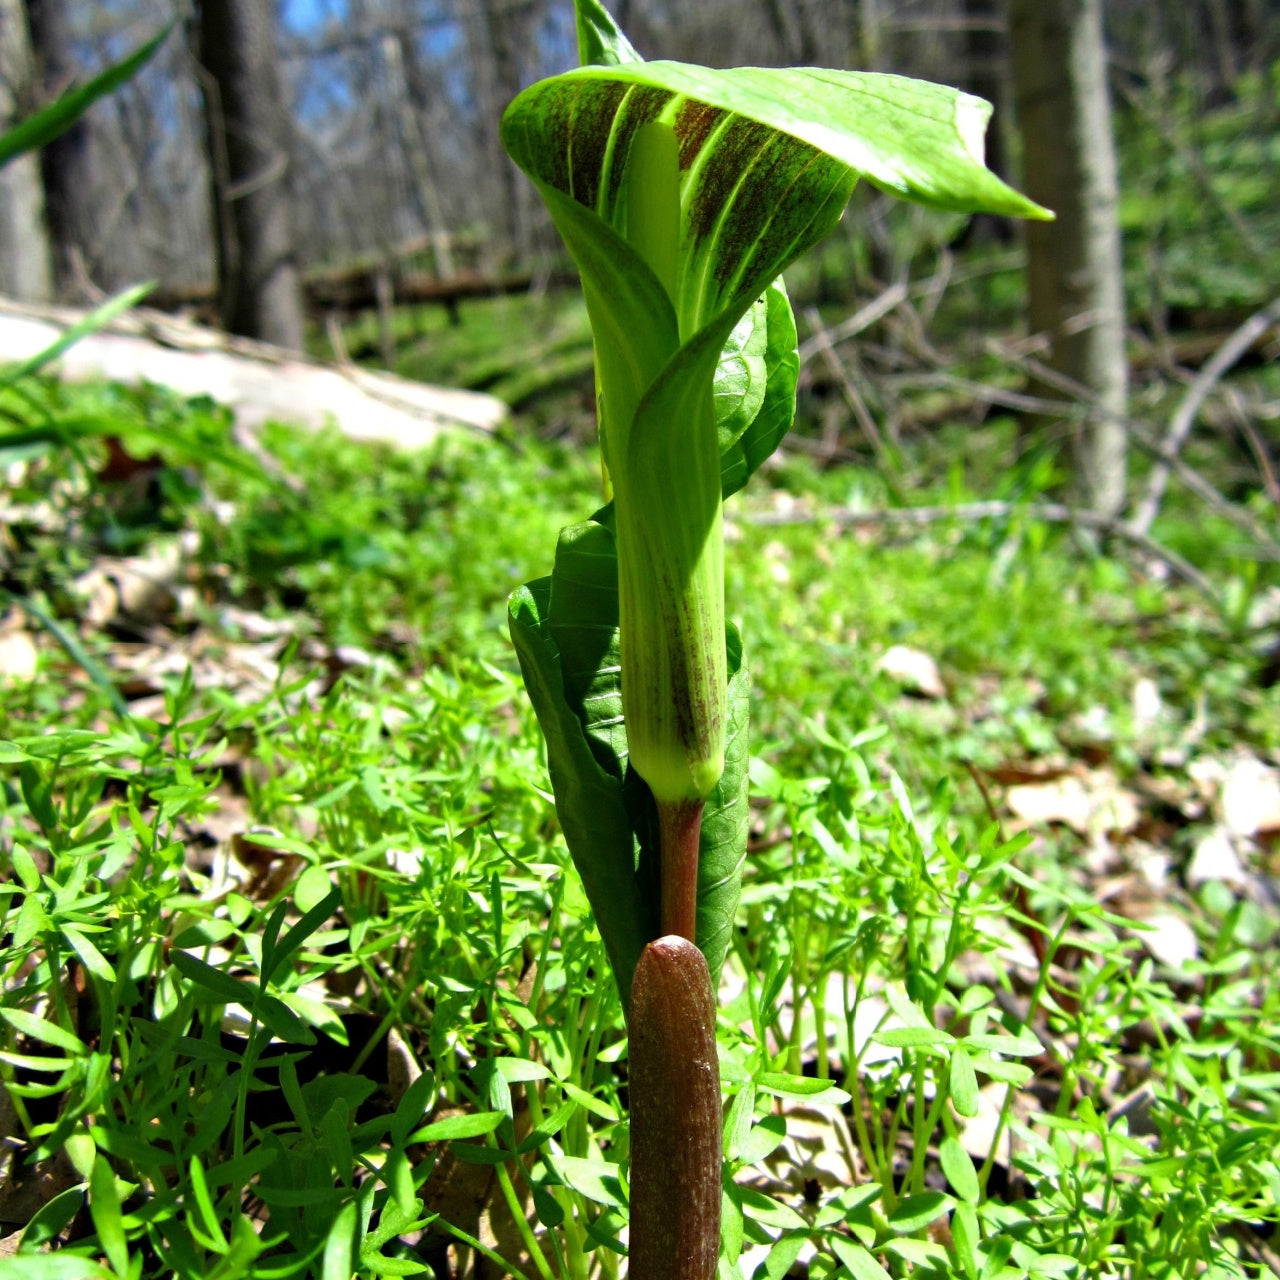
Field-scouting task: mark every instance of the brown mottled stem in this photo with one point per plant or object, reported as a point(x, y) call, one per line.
point(674, 1080)
point(679, 830)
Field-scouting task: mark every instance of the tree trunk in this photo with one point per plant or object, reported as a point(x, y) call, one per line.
point(259, 282)
point(506, 23)
point(986, 75)
point(66, 163)
point(26, 272)
point(1074, 265)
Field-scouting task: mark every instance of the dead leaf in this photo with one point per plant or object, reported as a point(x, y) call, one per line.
point(19, 657)
point(1087, 800)
point(1169, 939)
point(1250, 797)
point(1147, 705)
point(914, 670)
point(1215, 858)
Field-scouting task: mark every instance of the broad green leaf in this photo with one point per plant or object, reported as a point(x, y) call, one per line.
point(740, 376)
point(741, 454)
point(588, 799)
point(565, 633)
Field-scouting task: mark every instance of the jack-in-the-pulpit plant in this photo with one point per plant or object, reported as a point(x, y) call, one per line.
point(682, 193)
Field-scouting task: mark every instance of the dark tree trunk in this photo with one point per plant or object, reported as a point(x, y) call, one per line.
point(1074, 270)
point(986, 75)
point(67, 162)
point(259, 282)
point(506, 23)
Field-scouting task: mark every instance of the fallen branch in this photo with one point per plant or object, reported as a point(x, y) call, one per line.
point(1185, 415)
point(861, 319)
point(971, 512)
point(1167, 456)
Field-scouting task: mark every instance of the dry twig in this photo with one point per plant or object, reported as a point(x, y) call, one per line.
point(1185, 415)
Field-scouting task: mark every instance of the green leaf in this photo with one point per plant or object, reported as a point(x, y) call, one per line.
point(763, 1139)
point(299, 933)
point(959, 1170)
point(589, 800)
point(965, 1236)
point(963, 1083)
point(30, 1266)
point(338, 1261)
point(595, 1179)
point(92, 959)
point(781, 1257)
point(912, 1037)
point(465, 1126)
point(913, 139)
point(40, 1029)
point(742, 454)
point(59, 116)
point(917, 1212)
point(47, 1224)
point(97, 319)
point(812, 1090)
point(104, 1208)
point(599, 38)
point(227, 989)
point(860, 1264)
point(741, 375)
point(565, 632)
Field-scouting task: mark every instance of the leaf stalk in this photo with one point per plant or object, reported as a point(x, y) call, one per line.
point(679, 832)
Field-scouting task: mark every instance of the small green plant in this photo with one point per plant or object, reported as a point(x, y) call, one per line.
point(682, 194)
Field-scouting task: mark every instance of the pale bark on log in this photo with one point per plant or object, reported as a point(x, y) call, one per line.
point(258, 382)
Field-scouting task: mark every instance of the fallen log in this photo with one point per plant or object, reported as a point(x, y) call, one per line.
point(258, 382)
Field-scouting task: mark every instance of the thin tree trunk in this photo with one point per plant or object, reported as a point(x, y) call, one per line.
point(1074, 268)
point(26, 270)
point(259, 282)
point(409, 91)
point(504, 23)
point(986, 75)
point(66, 163)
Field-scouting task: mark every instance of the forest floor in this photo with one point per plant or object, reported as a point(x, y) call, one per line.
point(299, 980)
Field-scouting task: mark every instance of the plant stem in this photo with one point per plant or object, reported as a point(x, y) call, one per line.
point(679, 830)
